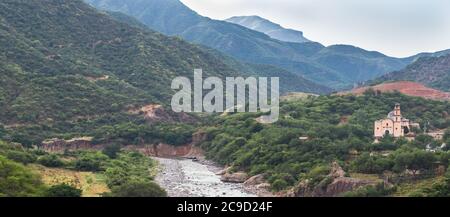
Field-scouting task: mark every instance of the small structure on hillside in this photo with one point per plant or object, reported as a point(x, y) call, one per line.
point(395, 125)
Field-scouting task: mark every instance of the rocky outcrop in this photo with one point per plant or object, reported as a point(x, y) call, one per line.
point(224, 171)
point(199, 137)
point(335, 184)
point(255, 180)
point(344, 184)
point(56, 145)
point(258, 185)
point(238, 177)
point(161, 150)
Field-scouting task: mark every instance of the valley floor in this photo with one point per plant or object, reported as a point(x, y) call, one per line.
point(186, 178)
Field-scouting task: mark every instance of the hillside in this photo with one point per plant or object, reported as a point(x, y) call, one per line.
point(406, 87)
point(335, 66)
point(324, 146)
point(430, 71)
point(68, 70)
point(271, 29)
point(289, 82)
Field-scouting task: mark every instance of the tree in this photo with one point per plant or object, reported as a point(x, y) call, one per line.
point(21, 156)
point(50, 160)
point(414, 160)
point(371, 164)
point(18, 181)
point(111, 150)
point(138, 189)
point(91, 161)
point(63, 190)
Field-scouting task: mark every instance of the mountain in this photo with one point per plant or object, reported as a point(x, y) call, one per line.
point(271, 29)
point(430, 71)
point(289, 82)
point(67, 70)
point(405, 87)
point(338, 66)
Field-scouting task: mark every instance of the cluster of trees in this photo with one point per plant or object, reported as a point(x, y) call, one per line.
point(127, 173)
point(402, 159)
point(335, 127)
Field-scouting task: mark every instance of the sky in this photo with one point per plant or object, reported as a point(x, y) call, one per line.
point(397, 28)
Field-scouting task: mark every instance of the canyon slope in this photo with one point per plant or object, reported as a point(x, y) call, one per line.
point(430, 71)
point(275, 31)
point(337, 66)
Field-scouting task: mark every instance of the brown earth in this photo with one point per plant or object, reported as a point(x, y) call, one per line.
point(155, 113)
point(406, 87)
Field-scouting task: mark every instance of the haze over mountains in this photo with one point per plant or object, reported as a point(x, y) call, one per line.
point(337, 66)
point(271, 29)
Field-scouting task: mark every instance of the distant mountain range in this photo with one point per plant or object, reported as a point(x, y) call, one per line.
point(430, 71)
point(338, 66)
point(289, 82)
point(269, 28)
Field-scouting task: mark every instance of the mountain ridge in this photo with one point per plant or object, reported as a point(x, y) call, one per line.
point(274, 30)
point(319, 64)
point(430, 71)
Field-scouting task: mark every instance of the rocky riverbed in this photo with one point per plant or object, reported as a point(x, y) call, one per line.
point(187, 178)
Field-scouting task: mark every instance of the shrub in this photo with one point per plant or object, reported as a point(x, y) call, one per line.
point(50, 160)
point(63, 190)
point(17, 180)
point(379, 190)
point(279, 185)
point(138, 189)
point(21, 157)
point(91, 161)
point(111, 150)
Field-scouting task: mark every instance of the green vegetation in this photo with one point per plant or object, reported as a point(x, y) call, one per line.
point(75, 173)
point(18, 181)
point(336, 127)
point(371, 191)
point(63, 190)
point(138, 189)
point(51, 160)
point(68, 74)
point(430, 71)
point(337, 66)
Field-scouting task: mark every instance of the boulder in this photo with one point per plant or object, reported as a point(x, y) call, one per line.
point(255, 180)
point(224, 171)
point(238, 177)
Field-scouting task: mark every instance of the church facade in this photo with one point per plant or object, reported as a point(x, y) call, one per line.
point(394, 124)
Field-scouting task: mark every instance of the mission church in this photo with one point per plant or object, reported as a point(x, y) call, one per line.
point(395, 125)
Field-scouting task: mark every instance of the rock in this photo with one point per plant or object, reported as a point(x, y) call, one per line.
point(333, 185)
point(336, 170)
point(224, 171)
point(238, 177)
point(255, 180)
point(345, 184)
point(199, 137)
point(263, 186)
point(60, 145)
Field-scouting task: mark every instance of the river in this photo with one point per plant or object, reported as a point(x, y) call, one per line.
point(187, 178)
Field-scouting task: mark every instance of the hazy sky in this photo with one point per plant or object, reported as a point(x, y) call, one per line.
point(395, 27)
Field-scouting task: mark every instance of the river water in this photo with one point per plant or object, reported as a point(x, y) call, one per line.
point(187, 178)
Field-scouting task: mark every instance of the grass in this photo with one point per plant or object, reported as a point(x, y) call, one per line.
point(370, 177)
point(92, 184)
point(293, 96)
point(415, 187)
